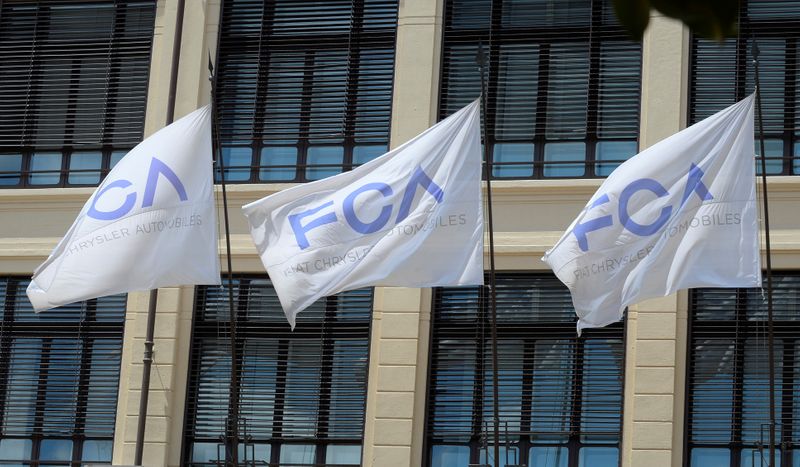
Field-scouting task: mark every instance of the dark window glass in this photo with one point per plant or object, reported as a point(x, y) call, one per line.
point(728, 406)
point(74, 80)
point(560, 396)
point(58, 394)
point(563, 84)
point(723, 73)
point(304, 87)
point(302, 393)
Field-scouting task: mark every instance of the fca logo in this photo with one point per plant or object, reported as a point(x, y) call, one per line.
point(156, 168)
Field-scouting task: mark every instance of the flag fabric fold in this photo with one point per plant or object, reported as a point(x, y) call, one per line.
point(410, 218)
point(680, 214)
point(151, 223)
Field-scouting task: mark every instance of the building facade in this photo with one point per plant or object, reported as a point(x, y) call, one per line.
point(386, 376)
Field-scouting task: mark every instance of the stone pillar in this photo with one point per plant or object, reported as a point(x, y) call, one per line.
point(656, 329)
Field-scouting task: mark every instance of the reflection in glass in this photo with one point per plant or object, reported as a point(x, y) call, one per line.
point(774, 151)
point(96, 450)
point(116, 156)
point(758, 457)
point(298, 453)
point(237, 162)
point(598, 457)
point(548, 456)
point(15, 449)
point(338, 454)
point(710, 457)
point(365, 153)
point(55, 449)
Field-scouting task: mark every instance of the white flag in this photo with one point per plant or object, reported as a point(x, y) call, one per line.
point(680, 214)
point(410, 218)
point(150, 224)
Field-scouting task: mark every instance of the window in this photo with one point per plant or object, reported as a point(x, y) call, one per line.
point(304, 87)
point(728, 402)
point(58, 394)
point(74, 80)
point(302, 393)
point(560, 395)
point(722, 74)
point(563, 84)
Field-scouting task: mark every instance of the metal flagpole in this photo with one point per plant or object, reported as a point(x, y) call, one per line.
point(147, 359)
point(481, 60)
point(233, 401)
point(770, 333)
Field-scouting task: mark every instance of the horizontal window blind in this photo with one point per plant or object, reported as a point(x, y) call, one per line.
point(74, 77)
point(58, 394)
point(722, 74)
point(728, 380)
point(304, 87)
point(302, 393)
point(560, 396)
point(563, 84)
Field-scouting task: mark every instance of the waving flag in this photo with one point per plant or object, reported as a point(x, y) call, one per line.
point(150, 224)
point(409, 218)
point(680, 214)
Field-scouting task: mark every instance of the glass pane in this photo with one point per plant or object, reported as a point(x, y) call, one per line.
point(96, 450)
point(517, 93)
point(302, 454)
point(797, 158)
point(615, 152)
point(755, 413)
point(512, 160)
point(510, 364)
point(45, 168)
point(548, 456)
point(774, 150)
point(324, 161)
point(449, 456)
point(23, 377)
point(55, 450)
point(342, 455)
point(552, 380)
point(302, 389)
point(364, 154)
point(258, 453)
point(207, 452)
point(278, 156)
point(567, 102)
point(237, 162)
point(10, 169)
point(712, 380)
point(84, 167)
point(555, 156)
point(116, 156)
point(602, 390)
point(512, 456)
point(710, 457)
point(15, 449)
point(755, 457)
point(598, 457)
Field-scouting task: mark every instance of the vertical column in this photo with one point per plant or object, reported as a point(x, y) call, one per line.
point(394, 426)
point(656, 333)
point(167, 399)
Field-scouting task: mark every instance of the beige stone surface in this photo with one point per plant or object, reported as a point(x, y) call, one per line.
point(652, 435)
point(399, 405)
point(392, 432)
point(655, 353)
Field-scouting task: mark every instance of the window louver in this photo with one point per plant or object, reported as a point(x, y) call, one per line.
point(58, 394)
point(304, 88)
point(302, 393)
point(563, 84)
point(560, 395)
point(74, 77)
point(722, 74)
point(728, 408)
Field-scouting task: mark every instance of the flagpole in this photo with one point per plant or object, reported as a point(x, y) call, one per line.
point(770, 330)
point(233, 401)
point(481, 59)
point(149, 340)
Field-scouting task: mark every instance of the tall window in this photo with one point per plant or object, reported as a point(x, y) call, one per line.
point(304, 87)
point(74, 80)
point(728, 403)
point(60, 376)
point(563, 84)
point(723, 74)
point(302, 393)
point(560, 396)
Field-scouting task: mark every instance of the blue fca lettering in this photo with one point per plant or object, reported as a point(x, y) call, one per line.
point(157, 168)
point(694, 184)
point(365, 226)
